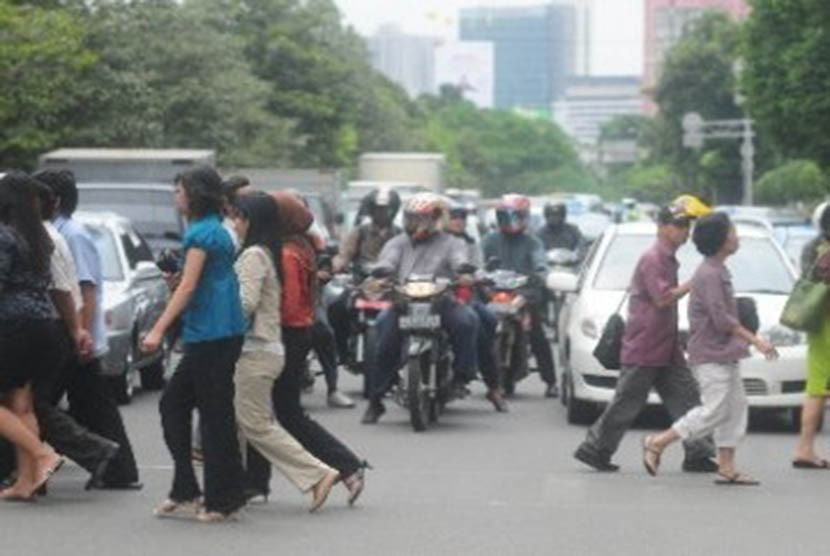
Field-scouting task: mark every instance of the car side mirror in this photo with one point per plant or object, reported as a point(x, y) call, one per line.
point(146, 270)
point(566, 282)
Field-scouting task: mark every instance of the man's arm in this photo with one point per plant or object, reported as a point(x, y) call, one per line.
point(348, 250)
point(659, 284)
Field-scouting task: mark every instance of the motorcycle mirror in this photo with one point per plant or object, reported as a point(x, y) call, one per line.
point(381, 272)
point(467, 268)
point(493, 263)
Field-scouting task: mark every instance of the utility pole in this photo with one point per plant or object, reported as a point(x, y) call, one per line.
point(696, 130)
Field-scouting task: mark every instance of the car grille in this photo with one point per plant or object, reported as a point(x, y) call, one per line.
point(793, 386)
point(755, 387)
point(609, 382)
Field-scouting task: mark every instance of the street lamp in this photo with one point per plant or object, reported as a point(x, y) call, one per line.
point(696, 130)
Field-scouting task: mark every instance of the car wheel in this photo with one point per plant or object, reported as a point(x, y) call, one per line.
point(579, 412)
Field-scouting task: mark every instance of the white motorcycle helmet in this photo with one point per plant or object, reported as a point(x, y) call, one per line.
point(817, 214)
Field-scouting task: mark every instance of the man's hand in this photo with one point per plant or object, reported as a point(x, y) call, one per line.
point(83, 343)
point(323, 276)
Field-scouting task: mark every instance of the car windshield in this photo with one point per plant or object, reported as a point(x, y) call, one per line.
point(152, 212)
point(108, 252)
point(757, 267)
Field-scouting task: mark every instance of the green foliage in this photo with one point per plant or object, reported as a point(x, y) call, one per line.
point(166, 78)
point(787, 45)
point(41, 55)
point(795, 181)
point(653, 183)
point(697, 76)
point(498, 151)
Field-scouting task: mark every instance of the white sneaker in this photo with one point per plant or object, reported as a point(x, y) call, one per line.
point(340, 400)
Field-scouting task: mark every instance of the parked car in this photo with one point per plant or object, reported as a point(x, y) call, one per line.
point(134, 297)
point(150, 207)
point(760, 269)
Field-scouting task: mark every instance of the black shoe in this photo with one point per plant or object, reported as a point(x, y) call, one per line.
point(119, 485)
point(255, 494)
point(373, 413)
point(700, 465)
point(96, 479)
point(589, 456)
point(552, 391)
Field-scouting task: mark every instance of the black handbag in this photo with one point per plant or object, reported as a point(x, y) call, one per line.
point(748, 314)
point(607, 350)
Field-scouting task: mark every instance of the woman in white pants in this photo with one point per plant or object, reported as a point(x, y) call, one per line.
point(262, 358)
point(717, 342)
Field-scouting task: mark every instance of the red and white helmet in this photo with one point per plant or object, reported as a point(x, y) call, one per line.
point(421, 215)
point(513, 213)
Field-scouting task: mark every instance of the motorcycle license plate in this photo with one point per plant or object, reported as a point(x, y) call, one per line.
point(419, 316)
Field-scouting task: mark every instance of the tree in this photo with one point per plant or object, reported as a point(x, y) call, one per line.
point(786, 79)
point(498, 151)
point(697, 76)
point(794, 181)
point(41, 58)
point(166, 78)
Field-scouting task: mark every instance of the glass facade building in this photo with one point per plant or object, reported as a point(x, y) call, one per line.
point(534, 51)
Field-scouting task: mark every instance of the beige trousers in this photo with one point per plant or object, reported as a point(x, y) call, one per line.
point(255, 374)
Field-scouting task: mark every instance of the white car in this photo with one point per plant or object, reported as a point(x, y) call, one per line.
point(760, 269)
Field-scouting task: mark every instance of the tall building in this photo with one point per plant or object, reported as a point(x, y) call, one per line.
point(666, 21)
point(534, 51)
point(590, 102)
point(408, 60)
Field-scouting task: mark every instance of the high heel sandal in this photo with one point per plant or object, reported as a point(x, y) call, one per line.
point(321, 490)
point(356, 482)
point(188, 509)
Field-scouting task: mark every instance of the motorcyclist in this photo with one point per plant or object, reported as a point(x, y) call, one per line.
point(422, 249)
point(457, 226)
point(362, 247)
point(364, 242)
point(517, 250)
point(557, 232)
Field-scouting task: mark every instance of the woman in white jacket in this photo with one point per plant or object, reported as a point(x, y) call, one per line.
point(262, 358)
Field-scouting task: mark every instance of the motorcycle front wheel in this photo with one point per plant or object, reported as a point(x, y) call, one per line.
point(417, 394)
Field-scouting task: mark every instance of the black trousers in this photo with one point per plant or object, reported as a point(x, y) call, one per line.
point(291, 415)
point(61, 430)
point(204, 381)
point(540, 347)
point(341, 321)
point(322, 340)
point(92, 406)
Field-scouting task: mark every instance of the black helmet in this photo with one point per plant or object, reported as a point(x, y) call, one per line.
point(384, 197)
point(556, 207)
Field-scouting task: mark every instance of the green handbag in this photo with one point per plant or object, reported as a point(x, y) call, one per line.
point(806, 303)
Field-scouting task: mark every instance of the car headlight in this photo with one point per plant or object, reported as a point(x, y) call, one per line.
point(589, 328)
point(781, 336)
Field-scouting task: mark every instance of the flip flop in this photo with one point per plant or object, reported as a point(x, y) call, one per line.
point(738, 479)
point(651, 466)
point(808, 464)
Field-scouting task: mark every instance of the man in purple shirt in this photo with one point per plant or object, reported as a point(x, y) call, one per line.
point(651, 356)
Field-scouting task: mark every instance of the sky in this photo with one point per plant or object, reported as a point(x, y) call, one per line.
point(617, 25)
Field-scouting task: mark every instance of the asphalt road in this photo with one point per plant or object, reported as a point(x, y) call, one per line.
point(478, 483)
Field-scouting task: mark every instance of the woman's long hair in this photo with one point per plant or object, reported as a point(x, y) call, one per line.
point(263, 225)
point(20, 209)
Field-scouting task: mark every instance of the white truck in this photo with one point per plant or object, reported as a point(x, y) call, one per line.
point(421, 169)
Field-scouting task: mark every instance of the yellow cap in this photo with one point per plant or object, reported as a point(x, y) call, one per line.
point(692, 206)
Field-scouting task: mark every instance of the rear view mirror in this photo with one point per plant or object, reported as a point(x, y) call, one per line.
point(566, 282)
point(146, 270)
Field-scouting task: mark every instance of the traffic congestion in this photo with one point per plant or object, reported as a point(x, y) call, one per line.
point(686, 306)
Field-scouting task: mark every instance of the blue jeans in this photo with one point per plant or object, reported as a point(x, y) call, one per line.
point(460, 322)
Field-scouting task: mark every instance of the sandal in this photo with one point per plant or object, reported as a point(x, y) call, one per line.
point(736, 479)
point(204, 516)
point(808, 464)
point(188, 509)
point(651, 456)
point(8, 495)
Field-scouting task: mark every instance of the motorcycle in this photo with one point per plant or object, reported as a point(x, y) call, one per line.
point(425, 383)
point(503, 291)
point(366, 302)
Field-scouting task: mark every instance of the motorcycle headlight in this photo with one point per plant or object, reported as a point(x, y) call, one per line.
point(589, 328)
point(420, 289)
point(781, 336)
